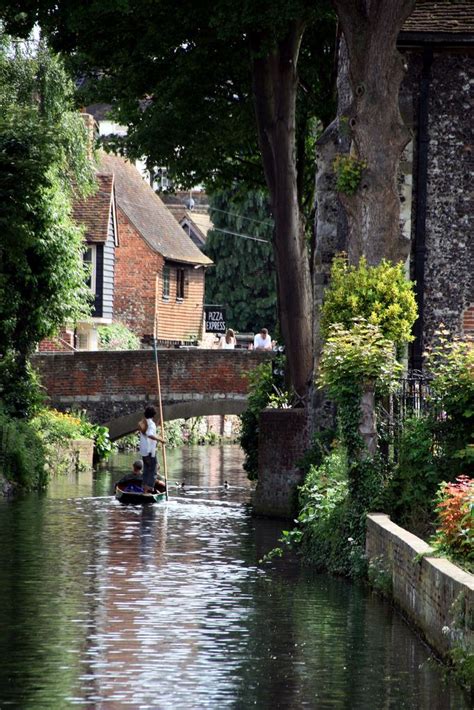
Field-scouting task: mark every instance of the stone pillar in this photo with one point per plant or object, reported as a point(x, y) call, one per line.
point(284, 438)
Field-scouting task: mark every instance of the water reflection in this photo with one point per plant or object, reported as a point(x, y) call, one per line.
point(106, 606)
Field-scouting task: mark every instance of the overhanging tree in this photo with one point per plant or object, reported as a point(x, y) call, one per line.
point(185, 78)
point(43, 152)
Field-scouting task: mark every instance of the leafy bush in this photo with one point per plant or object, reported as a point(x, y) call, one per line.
point(22, 453)
point(117, 336)
point(451, 362)
point(455, 512)
point(416, 476)
point(56, 427)
point(380, 294)
point(352, 356)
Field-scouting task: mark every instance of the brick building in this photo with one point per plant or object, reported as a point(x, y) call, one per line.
point(142, 263)
point(158, 268)
point(436, 171)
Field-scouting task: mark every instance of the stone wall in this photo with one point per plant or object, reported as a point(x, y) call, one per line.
point(437, 596)
point(283, 439)
point(71, 457)
point(449, 283)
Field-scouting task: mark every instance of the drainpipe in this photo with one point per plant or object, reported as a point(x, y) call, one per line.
point(420, 217)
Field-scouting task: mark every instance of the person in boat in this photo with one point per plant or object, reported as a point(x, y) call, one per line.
point(148, 442)
point(135, 476)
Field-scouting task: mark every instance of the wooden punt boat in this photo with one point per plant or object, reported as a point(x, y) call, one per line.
point(131, 493)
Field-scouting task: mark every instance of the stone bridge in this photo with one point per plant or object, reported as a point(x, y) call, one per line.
point(114, 387)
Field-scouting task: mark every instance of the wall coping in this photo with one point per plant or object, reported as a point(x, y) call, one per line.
point(420, 547)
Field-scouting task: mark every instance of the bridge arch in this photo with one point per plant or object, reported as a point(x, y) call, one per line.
point(114, 387)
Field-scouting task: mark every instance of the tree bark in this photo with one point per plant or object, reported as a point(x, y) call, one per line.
point(378, 134)
point(274, 87)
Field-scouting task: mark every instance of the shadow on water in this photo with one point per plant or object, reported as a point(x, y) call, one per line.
point(104, 606)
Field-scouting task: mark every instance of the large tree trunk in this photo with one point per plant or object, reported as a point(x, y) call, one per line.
point(378, 134)
point(275, 86)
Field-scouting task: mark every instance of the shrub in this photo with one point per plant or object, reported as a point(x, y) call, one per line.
point(455, 512)
point(117, 336)
point(416, 476)
point(451, 363)
point(22, 453)
point(380, 294)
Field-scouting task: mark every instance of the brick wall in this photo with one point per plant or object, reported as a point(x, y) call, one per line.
point(113, 384)
point(468, 321)
point(135, 274)
point(437, 596)
point(284, 437)
point(64, 342)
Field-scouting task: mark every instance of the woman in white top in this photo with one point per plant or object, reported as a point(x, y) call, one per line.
point(148, 441)
point(228, 341)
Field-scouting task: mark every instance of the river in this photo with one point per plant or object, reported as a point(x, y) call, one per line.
point(104, 606)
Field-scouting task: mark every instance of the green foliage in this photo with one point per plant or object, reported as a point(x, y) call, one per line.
point(379, 577)
point(348, 171)
point(455, 516)
point(380, 294)
point(451, 363)
point(22, 453)
point(260, 389)
point(416, 477)
point(117, 336)
point(217, 140)
point(354, 356)
point(54, 428)
point(43, 153)
point(243, 275)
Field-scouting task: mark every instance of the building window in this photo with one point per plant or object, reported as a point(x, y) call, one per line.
point(179, 284)
point(90, 260)
point(166, 283)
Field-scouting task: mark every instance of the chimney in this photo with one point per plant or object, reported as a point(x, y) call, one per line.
point(92, 132)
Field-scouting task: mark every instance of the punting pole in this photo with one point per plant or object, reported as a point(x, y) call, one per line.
point(158, 386)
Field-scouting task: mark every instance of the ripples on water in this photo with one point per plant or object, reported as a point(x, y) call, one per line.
point(104, 607)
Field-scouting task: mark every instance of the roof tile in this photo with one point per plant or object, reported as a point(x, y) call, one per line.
point(93, 212)
point(148, 214)
point(441, 16)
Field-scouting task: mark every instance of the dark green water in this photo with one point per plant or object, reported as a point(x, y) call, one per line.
point(107, 607)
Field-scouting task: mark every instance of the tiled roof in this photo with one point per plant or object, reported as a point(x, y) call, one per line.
point(93, 212)
point(441, 17)
point(148, 214)
point(199, 220)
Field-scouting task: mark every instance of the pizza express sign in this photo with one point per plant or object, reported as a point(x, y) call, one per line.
point(215, 319)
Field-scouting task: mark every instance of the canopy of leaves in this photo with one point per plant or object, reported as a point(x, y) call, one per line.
point(243, 275)
point(381, 294)
point(43, 153)
point(179, 74)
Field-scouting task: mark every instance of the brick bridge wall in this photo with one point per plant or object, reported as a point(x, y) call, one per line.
point(115, 386)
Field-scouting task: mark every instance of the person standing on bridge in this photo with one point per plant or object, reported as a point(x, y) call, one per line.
point(148, 441)
point(262, 340)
